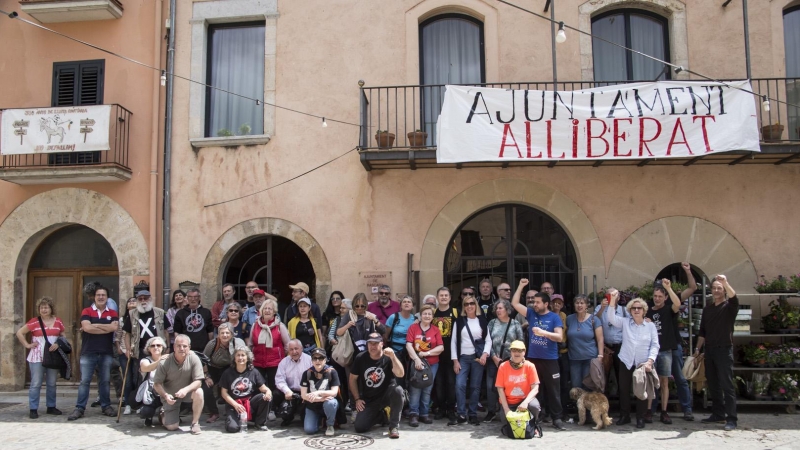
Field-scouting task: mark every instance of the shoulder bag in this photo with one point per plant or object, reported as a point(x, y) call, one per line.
point(50, 360)
point(343, 351)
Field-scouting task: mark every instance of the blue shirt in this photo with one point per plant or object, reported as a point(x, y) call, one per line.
point(400, 330)
point(639, 342)
point(580, 337)
point(611, 334)
point(540, 347)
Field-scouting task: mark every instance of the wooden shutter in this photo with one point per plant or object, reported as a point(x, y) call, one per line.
point(77, 83)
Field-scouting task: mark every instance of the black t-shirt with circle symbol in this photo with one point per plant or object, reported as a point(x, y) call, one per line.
point(374, 376)
point(195, 324)
point(241, 384)
point(664, 320)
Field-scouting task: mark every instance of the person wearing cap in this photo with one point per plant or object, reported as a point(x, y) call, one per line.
point(518, 383)
point(373, 385)
point(146, 322)
point(385, 306)
point(251, 314)
point(319, 389)
point(305, 328)
point(220, 307)
point(287, 379)
point(299, 291)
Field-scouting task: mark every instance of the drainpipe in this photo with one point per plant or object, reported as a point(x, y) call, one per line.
point(168, 154)
point(553, 44)
point(153, 235)
point(746, 40)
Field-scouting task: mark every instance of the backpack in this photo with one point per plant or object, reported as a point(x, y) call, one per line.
point(520, 426)
point(420, 379)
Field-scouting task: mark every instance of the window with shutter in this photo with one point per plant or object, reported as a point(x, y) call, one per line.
point(77, 83)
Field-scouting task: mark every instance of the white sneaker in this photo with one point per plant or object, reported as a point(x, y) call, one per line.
point(330, 431)
point(355, 413)
point(271, 416)
point(127, 411)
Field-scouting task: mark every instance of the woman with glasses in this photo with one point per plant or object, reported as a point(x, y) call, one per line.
point(585, 338)
point(241, 329)
point(319, 389)
point(365, 323)
point(304, 327)
point(423, 340)
point(155, 352)
point(639, 348)
point(220, 355)
point(469, 350)
point(503, 331)
point(178, 302)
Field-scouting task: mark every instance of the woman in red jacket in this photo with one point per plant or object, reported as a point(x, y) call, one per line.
point(269, 338)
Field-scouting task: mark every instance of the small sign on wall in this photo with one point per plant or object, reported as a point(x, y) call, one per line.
point(370, 281)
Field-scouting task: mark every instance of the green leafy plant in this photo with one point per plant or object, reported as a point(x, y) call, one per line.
point(765, 286)
point(754, 353)
point(794, 282)
point(244, 130)
point(784, 384)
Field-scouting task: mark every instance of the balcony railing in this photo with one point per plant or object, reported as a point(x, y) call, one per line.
point(83, 166)
point(401, 110)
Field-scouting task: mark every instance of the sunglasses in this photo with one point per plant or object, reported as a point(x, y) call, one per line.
point(504, 289)
point(636, 308)
point(233, 310)
point(384, 293)
point(318, 358)
point(156, 345)
point(467, 293)
point(516, 350)
point(359, 306)
point(470, 304)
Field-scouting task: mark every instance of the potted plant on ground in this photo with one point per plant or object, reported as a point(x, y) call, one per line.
point(384, 139)
point(771, 133)
point(417, 138)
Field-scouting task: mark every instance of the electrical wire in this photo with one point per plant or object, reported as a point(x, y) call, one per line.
point(14, 15)
point(677, 68)
point(282, 182)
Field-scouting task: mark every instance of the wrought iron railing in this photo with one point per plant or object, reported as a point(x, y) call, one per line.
point(401, 110)
point(119, 136)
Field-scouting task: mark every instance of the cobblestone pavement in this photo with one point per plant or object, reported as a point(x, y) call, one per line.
point(759, 427)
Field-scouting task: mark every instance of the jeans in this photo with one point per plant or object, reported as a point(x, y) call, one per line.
point(719, 373)
point(492, 404)
point(311, 422)
point(684, 393)
point(578, 369)
point(89, 362)
point(471, 372)
point(420, 399)
point(37, 376)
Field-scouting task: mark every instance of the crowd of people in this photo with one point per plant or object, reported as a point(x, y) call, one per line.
point(378, 363)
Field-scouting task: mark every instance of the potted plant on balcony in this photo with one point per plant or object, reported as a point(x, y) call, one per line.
point(771, 133)
point(417, 138)
point(384, 139)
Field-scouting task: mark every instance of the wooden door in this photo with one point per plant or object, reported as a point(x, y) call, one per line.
point(62, 289)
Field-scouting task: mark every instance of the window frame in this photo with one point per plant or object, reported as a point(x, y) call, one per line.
point(76, 158)
point(438, 17)
point(626, 12)
point(208, 89)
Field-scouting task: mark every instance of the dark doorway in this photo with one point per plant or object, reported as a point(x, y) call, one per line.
point(273, 262)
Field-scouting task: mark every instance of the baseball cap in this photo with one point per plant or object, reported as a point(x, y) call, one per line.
point(558, 297)
point(302, 286)
point(259, 292)
point(304, 300)
point(517, 345)
point(319, 351)
point(140, 293)
point(374, 337)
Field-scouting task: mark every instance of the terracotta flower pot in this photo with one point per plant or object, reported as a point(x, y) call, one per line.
point(417, 138)
point(772, 132)
point(384, 139)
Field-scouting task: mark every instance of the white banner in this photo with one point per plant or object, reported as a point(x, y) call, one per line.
point(56, 129)
point(666, 119)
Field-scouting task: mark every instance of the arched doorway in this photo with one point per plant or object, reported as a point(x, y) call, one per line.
point(274, 262)
point(508, 242)
point(61, 265)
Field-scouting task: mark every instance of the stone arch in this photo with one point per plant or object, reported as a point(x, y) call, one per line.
point(238, 235)
point(28, 225)
point(673, 10)
point(480, 196)
point(478, 9)
point(664, 241)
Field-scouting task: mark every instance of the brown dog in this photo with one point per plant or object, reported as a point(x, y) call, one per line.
point(596, 403)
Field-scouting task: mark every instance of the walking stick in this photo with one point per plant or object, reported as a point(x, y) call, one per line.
point(124, 380)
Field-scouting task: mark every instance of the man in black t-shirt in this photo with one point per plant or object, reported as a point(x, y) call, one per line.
point(374, 388)
point(319, 389)
point(445, 383)
point(662, 313)
point(194, 321)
